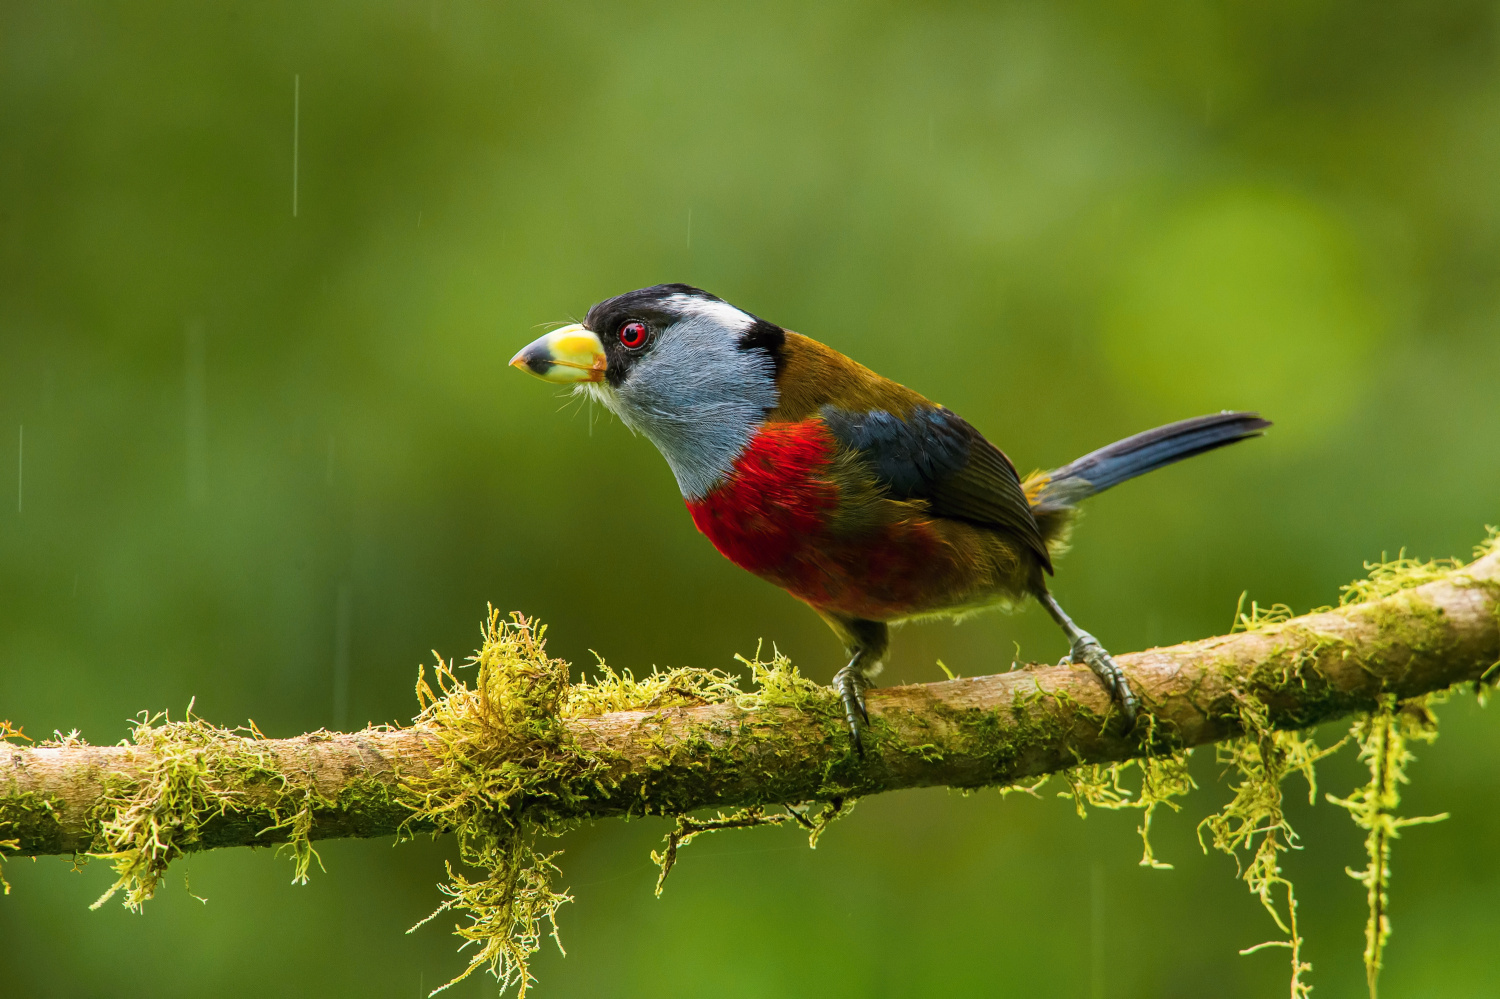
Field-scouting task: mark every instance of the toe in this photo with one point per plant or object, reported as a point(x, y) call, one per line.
point(855, 714)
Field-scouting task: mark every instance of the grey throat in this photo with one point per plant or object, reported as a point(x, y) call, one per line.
point(697, 395)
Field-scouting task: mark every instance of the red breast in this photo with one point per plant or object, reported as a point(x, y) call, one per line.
point(781, 515)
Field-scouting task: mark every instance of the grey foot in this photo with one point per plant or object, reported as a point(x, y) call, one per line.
point(851, 685)
point(1088, 651)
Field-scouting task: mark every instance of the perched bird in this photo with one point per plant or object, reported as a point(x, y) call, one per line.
point(855, 494)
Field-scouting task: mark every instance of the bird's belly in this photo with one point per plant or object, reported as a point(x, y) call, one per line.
point(777, 517)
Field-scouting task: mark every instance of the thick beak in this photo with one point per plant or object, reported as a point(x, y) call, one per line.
point(569, 355)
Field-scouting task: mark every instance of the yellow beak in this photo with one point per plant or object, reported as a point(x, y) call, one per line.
point(567, 356)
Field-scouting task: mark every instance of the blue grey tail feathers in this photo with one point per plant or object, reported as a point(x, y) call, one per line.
point(1145, 452)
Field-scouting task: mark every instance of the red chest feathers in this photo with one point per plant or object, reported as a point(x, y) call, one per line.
point(778, 516)
point(773, 507)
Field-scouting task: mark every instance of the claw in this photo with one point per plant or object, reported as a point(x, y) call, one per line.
point(851, 684)
point(1089, 652)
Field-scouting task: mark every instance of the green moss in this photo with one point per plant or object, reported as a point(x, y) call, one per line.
point(1383, 738)
point(26, 818)
point(1161, 781)
point(621, 691)
point(1259, 618)
point(1490, 544)
point(1163, 777)
point(779, 685)
point(1387, 577)
point(1252, 828)
point(1000, 737)
point(31, 817)
point(689, 828)
point(510, 775)
point(815, 819)
point(505, 755)
point(197, 772)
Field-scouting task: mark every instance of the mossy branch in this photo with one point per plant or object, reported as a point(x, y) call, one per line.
point(683, 744)
point(524, 752)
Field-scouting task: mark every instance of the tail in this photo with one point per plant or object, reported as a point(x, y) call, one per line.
point(1054, 494)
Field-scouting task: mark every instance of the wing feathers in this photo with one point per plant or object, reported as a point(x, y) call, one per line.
point(913, 448)
point(936, 456)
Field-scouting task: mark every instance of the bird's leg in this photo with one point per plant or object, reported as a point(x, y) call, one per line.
point(851, 682)
point(866, 642)
point(1086, 649)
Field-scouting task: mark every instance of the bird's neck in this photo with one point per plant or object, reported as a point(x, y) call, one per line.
point(701, 434)
point(701, 452)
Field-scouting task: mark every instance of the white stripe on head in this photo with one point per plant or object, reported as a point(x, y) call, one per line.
point(712, 309)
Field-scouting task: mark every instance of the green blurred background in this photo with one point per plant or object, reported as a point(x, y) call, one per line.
point(264, 453)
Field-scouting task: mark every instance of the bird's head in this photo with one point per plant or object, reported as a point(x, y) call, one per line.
point(691, 372)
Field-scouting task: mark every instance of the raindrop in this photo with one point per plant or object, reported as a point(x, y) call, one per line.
point(1097, 929)
point(296, 133)
point(343, 628)
point(195, 415)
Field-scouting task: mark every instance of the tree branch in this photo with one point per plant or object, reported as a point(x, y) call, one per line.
point(964, 733)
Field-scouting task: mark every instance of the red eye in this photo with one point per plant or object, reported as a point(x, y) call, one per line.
point(634, 335)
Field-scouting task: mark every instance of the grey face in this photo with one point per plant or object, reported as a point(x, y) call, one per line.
point(698, 387)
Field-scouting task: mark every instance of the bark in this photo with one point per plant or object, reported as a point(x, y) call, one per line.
point(967, 732)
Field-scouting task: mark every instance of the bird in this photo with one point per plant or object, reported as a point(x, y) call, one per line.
point(855, 494)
